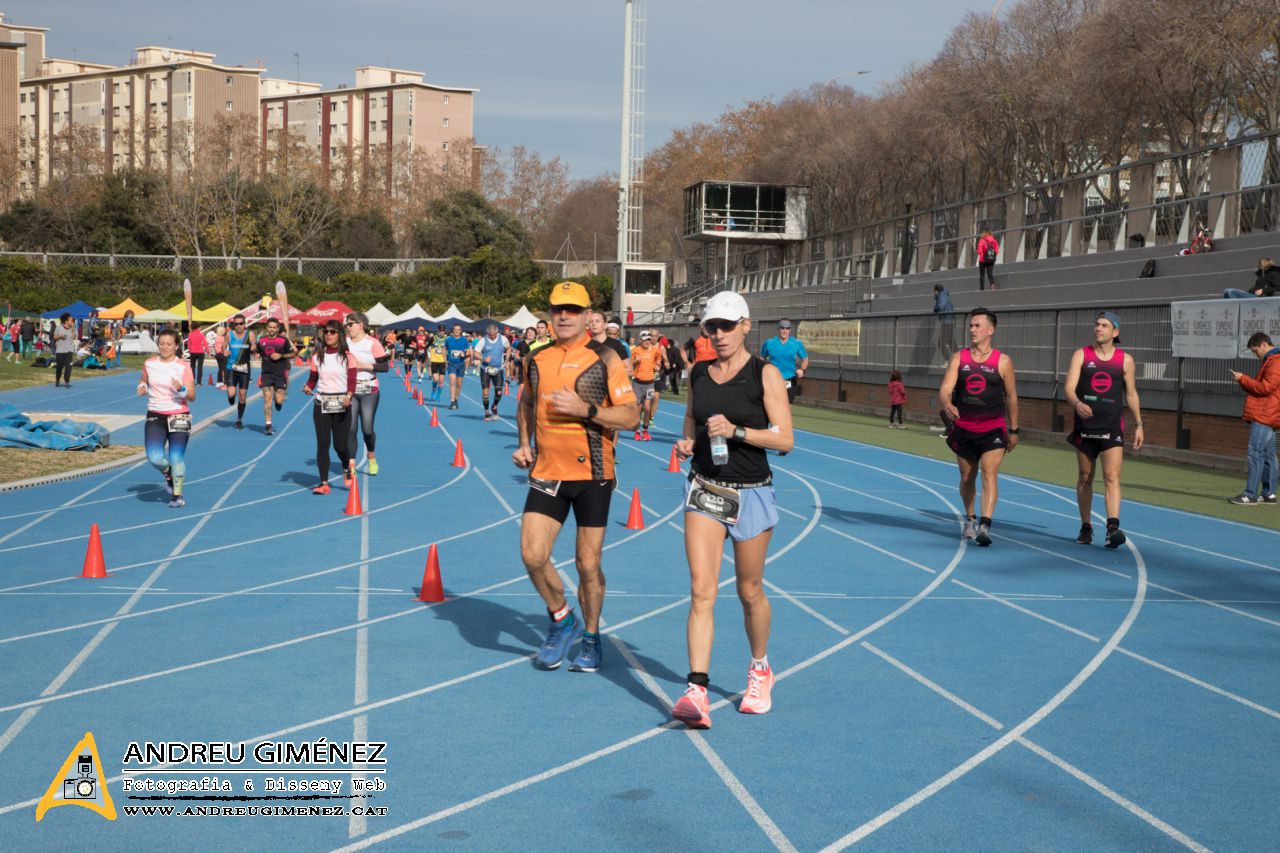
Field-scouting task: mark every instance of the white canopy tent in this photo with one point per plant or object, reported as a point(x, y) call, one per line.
point(522, 319)
point(453, 314)
point(158, 316)
point(417, 312)
point(380, 315)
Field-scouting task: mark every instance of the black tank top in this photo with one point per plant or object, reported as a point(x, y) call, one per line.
point(741, 400)
point(1101, 386)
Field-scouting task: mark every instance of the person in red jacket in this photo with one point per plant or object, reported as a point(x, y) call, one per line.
point(1262, 411)
point(988, 249)
point(897, 398)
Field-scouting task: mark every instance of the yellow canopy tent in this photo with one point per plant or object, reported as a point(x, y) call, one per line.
point(197, 315)
point(218, 313)
point(117, 312)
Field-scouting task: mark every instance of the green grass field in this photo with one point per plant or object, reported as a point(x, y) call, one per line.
point(21, 374)
point(1160, 483)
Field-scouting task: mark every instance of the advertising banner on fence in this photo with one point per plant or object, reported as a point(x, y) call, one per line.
point(1218, 328)
point(838, 337)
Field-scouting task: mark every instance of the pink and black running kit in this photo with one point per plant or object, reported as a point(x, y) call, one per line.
point(980, 398)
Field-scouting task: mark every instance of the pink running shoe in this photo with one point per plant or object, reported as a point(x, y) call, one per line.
point(639, 436)
point(693, 709)
point(758, 698)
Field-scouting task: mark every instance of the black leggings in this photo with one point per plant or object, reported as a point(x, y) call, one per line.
point(331, 428)
point(364, 408)
point(222, 369)
point(62, 365)
point(895, 409)
point(986, 273)
point(197, 366)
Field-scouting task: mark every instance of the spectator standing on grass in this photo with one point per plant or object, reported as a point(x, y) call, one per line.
point(1262, 412)
point(65, 341)
point(1266, 282)
point(988, 250)
point(897, 399)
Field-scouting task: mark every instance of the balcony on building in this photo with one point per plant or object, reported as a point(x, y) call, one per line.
point(746, 212)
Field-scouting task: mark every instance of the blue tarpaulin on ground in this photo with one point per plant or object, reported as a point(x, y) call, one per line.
point(18, 430)
point(79, 310)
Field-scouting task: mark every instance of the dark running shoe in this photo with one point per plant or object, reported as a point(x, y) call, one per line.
point(983, 537)
point(1086, 535)
point(1244, 500)
point(239, 424)
point(1115, 537)
point(268, 430)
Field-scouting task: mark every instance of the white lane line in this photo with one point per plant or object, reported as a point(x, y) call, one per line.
point(73, 502)
point(1022, 728)
point(242, 543)
point(1054, 622)
point(358, 824)
point(932, 685)
point(878, 549)
point(1070, 769)
point(76, 662)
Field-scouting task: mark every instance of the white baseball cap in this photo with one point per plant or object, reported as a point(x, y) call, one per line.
point(726, 305)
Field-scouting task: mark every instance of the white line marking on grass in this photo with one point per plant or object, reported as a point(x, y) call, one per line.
point(76, 662)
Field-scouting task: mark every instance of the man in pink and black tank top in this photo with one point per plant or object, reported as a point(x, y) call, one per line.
point(1099, 385)
point(980, 403)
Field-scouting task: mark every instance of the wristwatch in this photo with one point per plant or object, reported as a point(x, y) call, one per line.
point(1014, 431)
point(740, 433)
point(591, 411)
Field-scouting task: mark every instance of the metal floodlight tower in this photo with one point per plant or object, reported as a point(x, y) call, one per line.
point(631, 162)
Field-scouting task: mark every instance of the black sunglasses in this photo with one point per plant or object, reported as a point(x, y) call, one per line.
point(332, 331)
point(567, 309)
point(713, 326)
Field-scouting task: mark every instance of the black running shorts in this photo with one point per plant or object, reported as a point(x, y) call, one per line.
point(971, 445)
point(589, 500)
point(1091, 444)
point(238, 379)
point(275, 380)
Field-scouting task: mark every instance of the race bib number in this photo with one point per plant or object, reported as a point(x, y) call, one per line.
point(180, 423)
point(719, 502)
point(240, 368)
point(364, 386)
point(492, 371)
point(547, 487)
point(331, 404)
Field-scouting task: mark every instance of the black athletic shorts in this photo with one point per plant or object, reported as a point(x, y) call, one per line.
point(588, 498)
point(275, 380)
point(420, 355)
point(971, 445)
point(487, 379)
point(437, 368)
point(238, 379)
point(1093, 443)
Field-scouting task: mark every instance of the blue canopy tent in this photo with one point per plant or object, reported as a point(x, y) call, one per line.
point(480, 326)
point(79, 310)
point(410, 325)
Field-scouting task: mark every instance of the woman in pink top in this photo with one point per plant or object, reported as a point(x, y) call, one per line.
point(333, 382)
point(168, 386)
point(897, 398)
point(196, 347)
point(220, 354)
point(988, 249)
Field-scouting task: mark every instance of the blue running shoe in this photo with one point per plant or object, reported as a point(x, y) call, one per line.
point(560, 637)
point(588, 659)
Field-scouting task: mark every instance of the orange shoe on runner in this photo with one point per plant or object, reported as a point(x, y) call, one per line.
point(322, 489)
point(693, 709)
point(758, 698)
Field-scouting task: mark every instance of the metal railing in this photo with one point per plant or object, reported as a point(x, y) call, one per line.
point(1232, 187)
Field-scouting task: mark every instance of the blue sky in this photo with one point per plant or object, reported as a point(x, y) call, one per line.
point(549, 72)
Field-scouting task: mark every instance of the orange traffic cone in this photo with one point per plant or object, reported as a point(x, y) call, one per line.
point(435, 417)
point(459, 460)
point(506, 389)
point(432, 588)
point(94, 565)
point(210, 377)
point(421, 400)
point(635, 518)
point(353, 498)
point(519, 391)
point(673, 467)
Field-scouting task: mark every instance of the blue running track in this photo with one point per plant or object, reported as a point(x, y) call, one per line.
point(932, 695)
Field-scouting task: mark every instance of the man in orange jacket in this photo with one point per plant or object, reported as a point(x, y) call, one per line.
point(1262, 411)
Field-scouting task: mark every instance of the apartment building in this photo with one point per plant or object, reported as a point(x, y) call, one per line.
point(365, 123)
point(147, 114)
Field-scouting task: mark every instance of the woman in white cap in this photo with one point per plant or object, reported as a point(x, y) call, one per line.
point(737, 409)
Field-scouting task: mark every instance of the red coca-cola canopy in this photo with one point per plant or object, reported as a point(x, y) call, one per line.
point(323, 312)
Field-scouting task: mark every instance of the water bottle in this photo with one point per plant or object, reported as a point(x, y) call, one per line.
point(719, 450)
